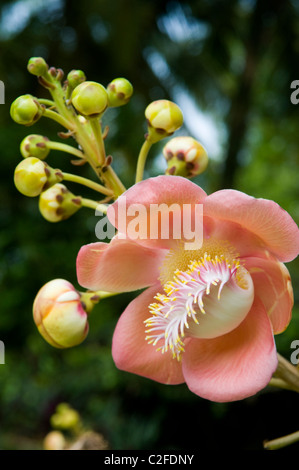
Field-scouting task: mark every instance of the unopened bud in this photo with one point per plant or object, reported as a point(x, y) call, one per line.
point(54, 440)
point(26, 110)
point(65, 417)
point(35, 145)
point(185, 156)
point(58, 203)
point(37, 66)
point(90, 99)
point(32, 176)
point(119, 91)
point(164, 118)
point(75, 77)
point(59, 315)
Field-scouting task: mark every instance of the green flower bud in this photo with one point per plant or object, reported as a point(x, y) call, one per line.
point(58, 203)
point(26, 110)
point(65, 418)
point(90, 99)
point(59, 315)
point(32, 176)
point(185, 156)
point(119, 91)
point(75, 77)
point(164, 118)
point(35, 145)
point(37, 66)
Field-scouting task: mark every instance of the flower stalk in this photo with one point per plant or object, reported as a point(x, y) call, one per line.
point(286, 374)
point(88, 183)
point(282, 441)
point(143, 154)
point(94, 205)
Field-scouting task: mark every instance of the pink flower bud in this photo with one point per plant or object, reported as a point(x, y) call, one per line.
point(60, 315)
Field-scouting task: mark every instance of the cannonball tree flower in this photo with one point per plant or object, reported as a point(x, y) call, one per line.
point(208, 315)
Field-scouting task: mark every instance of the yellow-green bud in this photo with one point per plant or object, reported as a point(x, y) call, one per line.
point(59, 315)
point(54, 440)
point(26, 110)
point(35, 145)
point(37, 66)
point(90, 99)
point(32, 176)
point(58, 203)
point(185, 156)
point(119, 91)
point(65, 417)
point(164, 118)
point(75, 77)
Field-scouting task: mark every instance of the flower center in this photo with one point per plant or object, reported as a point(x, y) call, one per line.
point(208, 299)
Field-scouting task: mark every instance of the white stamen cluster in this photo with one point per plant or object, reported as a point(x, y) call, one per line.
point(184, 301)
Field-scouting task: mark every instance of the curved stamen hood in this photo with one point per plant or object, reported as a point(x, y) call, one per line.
point(209, 299)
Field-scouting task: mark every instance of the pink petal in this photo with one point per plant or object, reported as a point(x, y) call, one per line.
point(130, 350)
point(264, 218)
point(118, 266)
point(141, 199)
point(241, 240)
point(234, 366)
point(272, 284)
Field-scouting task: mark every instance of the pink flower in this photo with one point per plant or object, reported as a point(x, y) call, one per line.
point(208, 315)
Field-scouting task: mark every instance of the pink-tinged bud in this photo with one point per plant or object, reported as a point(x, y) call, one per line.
point(185, 156)
point(59, 314)
point(164, 118)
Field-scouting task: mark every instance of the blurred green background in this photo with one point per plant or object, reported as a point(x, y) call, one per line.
point(229, 66)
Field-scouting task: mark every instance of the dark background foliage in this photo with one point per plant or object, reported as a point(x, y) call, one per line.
point(229, 65)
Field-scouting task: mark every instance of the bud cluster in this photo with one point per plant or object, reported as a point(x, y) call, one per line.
point(60, 312)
